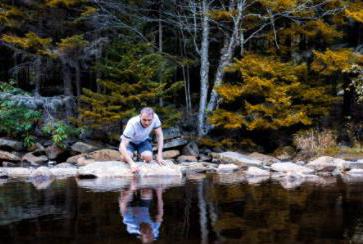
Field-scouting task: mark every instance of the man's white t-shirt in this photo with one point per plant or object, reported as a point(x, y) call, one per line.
point(136, 133)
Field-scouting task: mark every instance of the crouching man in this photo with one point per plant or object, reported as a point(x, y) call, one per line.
point(136, 137)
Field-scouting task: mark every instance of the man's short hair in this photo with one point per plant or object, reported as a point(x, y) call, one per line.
point(148, 111)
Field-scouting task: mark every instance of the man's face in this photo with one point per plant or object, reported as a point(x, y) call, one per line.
point(146, 119)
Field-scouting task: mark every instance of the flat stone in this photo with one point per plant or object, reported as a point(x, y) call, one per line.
point(65, 165)
point(171, 154)
point(289, 167)
point(266, 159)
point(237, 158)
point(64, 172)
point(174, 143)
point(82, 147)
point(115, 184)
point(355, 172)
point(227, 168)
point(121, 169)
point(13, 144)
point(15, 172)
point(256, 172)
point(6, 156)
point(196, 177)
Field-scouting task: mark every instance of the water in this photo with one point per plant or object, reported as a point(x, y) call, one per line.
point(199, 211)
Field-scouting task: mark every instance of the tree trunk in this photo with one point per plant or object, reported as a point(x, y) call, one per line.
point(229, 47)
point(204, 68)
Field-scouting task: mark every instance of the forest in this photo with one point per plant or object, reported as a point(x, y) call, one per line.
point(254, 75)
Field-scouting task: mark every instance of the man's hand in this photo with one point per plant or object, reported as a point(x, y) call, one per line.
point(134, 168)
point(160, 160)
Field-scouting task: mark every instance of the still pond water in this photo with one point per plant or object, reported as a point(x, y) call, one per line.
point(197, 211)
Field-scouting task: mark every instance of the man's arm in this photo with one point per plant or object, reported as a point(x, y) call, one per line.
point(160, 140)
point(125, 156)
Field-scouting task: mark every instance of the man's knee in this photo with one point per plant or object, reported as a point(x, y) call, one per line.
point(147, 156)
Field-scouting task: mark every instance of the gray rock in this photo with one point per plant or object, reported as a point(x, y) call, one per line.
point(191, 149)
point(65, 165)
point(6, 156)
point(171, 133)
point(120, 169)
point(9, 164)
point(42, 172)
point(185, 158)
point(203, 157)
point(35, 160)
point(327, 164)
point(256, 172)
point(171, 154)
point(173, 143)
point(82, 147)
point(8, 143)
point(266, 159)
point(15, 172)
point(64, 172)
point(193, 167)
point(237, 158)
point(227, 168)
point(3, 174)
point(53, 151)
point(289, 167)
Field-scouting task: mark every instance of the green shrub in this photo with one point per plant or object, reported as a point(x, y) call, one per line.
point(60, 132)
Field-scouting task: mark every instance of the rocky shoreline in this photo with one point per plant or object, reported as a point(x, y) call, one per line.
point(101, 169)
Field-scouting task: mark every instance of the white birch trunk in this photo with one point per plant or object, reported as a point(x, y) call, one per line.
point(204, 69)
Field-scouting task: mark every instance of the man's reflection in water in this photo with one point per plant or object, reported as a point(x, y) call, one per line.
point(135, 209)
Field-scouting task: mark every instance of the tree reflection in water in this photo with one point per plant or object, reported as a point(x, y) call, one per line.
point(135, 203)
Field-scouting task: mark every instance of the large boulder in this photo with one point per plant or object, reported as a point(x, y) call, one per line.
point(82, 147)
point(35, 160)
point(289, 167)
point(171, 133)
point(328, 164)
point(54, 151)
point(120, 169)
point(6, 156)
point(191, 149)
point(237, 158)
point(12, 144)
